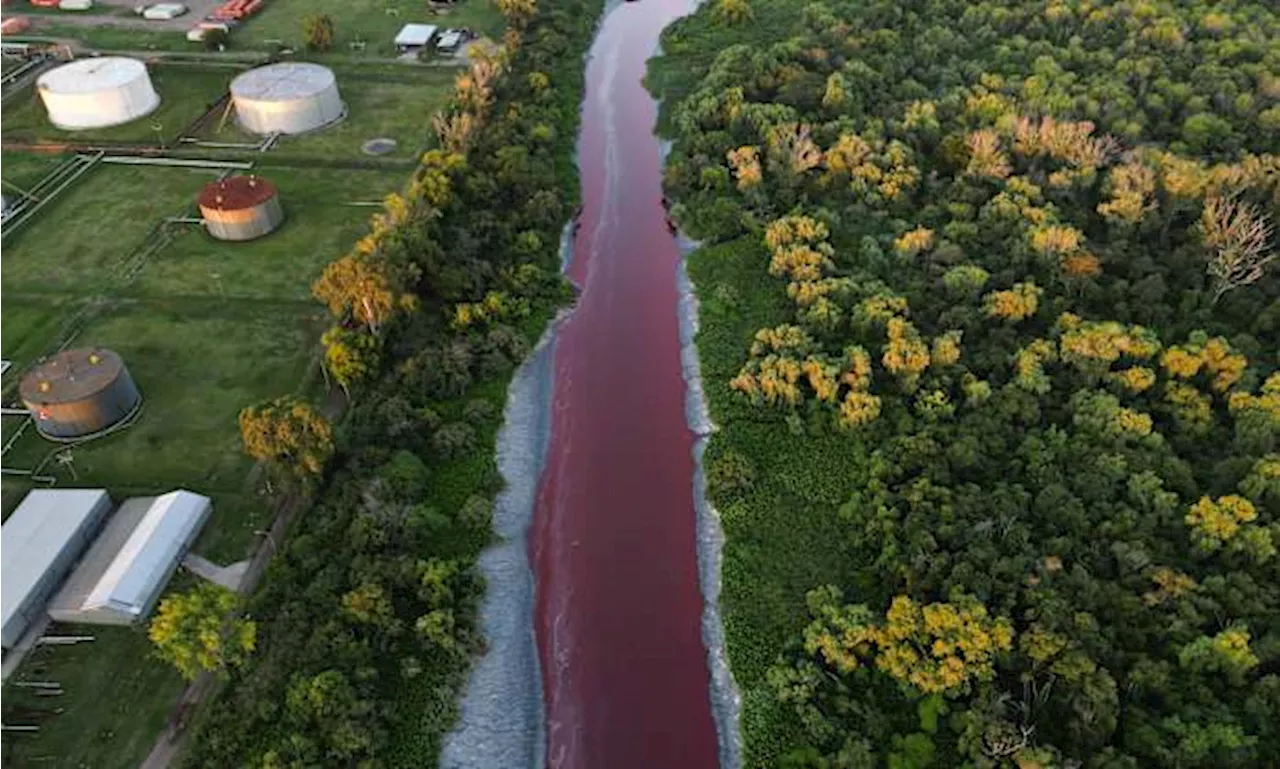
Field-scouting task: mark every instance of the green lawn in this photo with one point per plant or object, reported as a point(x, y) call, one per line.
point(117, 700)
point(374, 22)
point(106, 38)
point(205, 327)
point(22, 170)
point(197, 363)
point(319, 227)
point(186, 93)
point(64, 249)
point(31, 329)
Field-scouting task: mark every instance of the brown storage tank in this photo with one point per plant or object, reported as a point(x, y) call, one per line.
point(240, 208)
point(79, 392)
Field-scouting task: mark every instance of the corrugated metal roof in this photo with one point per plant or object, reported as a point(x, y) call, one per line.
point(34, 537)
point(93, 564)
point(415, 34)
point(137, 572)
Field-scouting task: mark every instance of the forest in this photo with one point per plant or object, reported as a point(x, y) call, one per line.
point(355, 651)
point(989, 311)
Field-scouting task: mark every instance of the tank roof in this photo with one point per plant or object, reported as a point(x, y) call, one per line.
point(92, 75)
point(286, 81)
point(236, 192)
point(71, 375)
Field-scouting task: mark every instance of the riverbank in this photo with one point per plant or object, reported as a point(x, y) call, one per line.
point(619, 612)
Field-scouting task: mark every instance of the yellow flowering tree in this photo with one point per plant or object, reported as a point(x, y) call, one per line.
point(1214, 356)
point(745, 162)
point(195, 632)
point(935, 648)
point(1014, 304)
point(906, 356)
point(915, 242)
point(1227, 652)
point(1093, 346)
point(1226, 522)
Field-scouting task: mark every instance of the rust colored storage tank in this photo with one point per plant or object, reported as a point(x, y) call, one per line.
point(240, 208)
point(79, 392)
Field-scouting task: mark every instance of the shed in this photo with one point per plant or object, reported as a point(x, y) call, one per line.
point(41, 541)
point(414, 36)
point(126, 570)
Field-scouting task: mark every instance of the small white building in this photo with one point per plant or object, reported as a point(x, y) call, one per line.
point(40, 543)
point(126, 570)
point(411, 37)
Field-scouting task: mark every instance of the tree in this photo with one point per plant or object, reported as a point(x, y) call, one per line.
point(318, 31)
point(733, 11)
point(195, 632)
point(367, 288)
point(215, 39)
point(518, 12)
point(288, 434)
point(350, 356)
point(1237, 236)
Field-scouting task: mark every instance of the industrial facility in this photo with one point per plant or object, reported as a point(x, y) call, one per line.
point(126, 569)
point(240, 208)
point(41, 542)
point(67, 556)
point(289, 98)
point(97, 93)
point(77, 393)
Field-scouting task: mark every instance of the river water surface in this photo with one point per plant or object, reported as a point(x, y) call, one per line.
point(613, 547)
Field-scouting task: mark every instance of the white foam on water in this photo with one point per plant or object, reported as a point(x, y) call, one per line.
point(501, 719)
point(726, 701)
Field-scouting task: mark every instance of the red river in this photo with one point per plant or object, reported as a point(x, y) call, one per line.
point(618, 612)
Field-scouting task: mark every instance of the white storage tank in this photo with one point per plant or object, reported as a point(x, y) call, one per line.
point(289, 98)
point(97, 93)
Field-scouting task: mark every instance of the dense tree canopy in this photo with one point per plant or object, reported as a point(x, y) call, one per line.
point(366, 622)
point(1013, 385)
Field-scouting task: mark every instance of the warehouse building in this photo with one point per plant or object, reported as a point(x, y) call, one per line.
point(41, 542)
point(126, 569)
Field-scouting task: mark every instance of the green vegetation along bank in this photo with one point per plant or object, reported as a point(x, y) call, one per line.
point(989, 318)
point(367, 621)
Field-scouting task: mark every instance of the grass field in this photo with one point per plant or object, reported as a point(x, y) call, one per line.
point(64, 250)
point(205, 327)
point(186, 93)
point(373, 22)
point(399, 109)
point(31, 327)
point(21, 170)
point(197, 364)
point(118, 698)
point(319, 226)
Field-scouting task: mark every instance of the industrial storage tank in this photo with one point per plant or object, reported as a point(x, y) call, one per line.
point(240, 208)
point(290, 98)
point(97, 93)
point(76, 393)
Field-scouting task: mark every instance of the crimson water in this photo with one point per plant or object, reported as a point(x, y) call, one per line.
point(618, 609)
